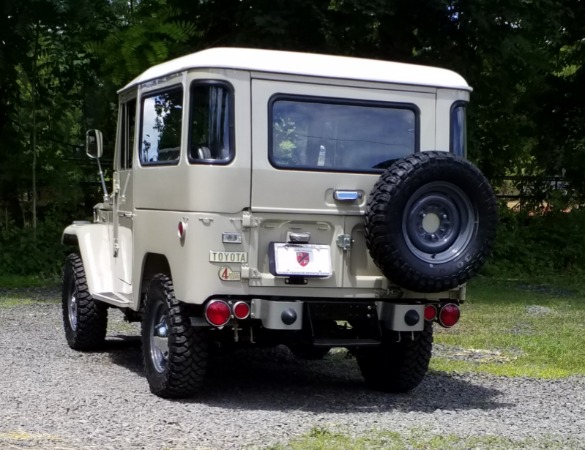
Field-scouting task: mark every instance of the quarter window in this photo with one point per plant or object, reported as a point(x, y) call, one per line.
point(328, 134)
point(127, 142)
point(160, 137)
point(458, 136)
point(211, 135)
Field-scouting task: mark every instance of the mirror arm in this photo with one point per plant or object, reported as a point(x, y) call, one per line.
point(106, 195)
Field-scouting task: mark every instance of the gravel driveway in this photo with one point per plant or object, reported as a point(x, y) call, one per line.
point(52, 397)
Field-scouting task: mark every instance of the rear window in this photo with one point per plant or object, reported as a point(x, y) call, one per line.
point(334, 135)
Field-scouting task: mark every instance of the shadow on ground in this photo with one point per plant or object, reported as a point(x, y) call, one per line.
point(274, 379)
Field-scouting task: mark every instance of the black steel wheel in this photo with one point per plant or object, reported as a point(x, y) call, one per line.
point(85, 320)
point(175, 354)
point(430, 221)
point(400, 363)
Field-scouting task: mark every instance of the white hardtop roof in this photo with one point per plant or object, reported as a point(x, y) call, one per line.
point(306, 64)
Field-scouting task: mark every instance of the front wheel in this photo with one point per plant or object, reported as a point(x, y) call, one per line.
point(400, 363)
point(85, 320)
point(175, 354)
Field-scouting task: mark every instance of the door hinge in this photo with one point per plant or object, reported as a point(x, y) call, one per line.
point(249, 221)
point(126, 214)
point(344, 242)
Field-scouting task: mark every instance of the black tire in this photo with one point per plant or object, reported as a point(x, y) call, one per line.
point(400, 363)
point(174, 353)
point(85, 320)
point(431, 221)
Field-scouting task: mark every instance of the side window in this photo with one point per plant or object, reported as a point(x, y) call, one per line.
point(128, 127)
point(458, 132)
point(211, 122)
point(160, 135)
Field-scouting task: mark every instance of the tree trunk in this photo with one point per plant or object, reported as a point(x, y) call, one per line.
point(34, 127)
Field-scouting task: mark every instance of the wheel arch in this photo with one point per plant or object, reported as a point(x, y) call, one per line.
point(93, 243)
point(153, 263)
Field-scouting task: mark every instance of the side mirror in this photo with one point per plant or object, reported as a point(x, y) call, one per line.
point(94, 147)
point(94, 144)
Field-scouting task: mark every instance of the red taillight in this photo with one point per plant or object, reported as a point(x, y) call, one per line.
point(217, 313)
point(449, 315)
point(430, 312)
point(241, 310)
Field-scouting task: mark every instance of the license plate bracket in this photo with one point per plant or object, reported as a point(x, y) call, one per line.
point(299, 260)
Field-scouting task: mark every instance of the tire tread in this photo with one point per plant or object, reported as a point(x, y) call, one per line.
point(92, 320)
point(188, 347)
point(392, 188)
point(398, 366)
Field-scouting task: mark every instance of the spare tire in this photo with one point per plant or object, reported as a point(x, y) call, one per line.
point(430, 221)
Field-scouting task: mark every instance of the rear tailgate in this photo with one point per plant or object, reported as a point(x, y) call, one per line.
point(314, 147)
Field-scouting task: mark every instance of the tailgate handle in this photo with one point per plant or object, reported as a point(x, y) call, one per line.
point(342, 195)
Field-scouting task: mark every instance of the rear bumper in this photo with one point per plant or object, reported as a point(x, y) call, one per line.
point(294, 315)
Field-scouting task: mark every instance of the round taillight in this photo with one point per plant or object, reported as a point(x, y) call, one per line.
point(449, 315)
point(430, 312)
point(241, 310)
point(217, 313)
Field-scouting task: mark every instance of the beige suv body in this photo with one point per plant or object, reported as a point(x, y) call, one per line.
point(243, 177)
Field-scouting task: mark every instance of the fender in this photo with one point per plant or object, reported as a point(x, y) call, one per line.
point(94, 241)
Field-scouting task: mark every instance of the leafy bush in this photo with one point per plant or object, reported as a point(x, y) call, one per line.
point(539, 243)
point(25, 251)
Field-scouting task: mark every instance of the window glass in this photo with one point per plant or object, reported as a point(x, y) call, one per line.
point(459, 130)
point(160, 139)
point(211, 138)
point(128, 127)
point(330, 135)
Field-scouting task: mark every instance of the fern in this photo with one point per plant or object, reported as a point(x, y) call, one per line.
point(147, 38)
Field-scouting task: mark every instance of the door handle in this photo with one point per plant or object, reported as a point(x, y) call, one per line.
point(343, 195)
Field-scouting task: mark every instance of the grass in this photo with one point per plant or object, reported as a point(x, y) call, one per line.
point(22, 282)
point(515, 328)
point(17, 300)
point(323, 439)
point(19, 290)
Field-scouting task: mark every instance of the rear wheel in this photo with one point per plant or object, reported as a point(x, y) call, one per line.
point(85, 320)
point(175, 354)
point(400, 363)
